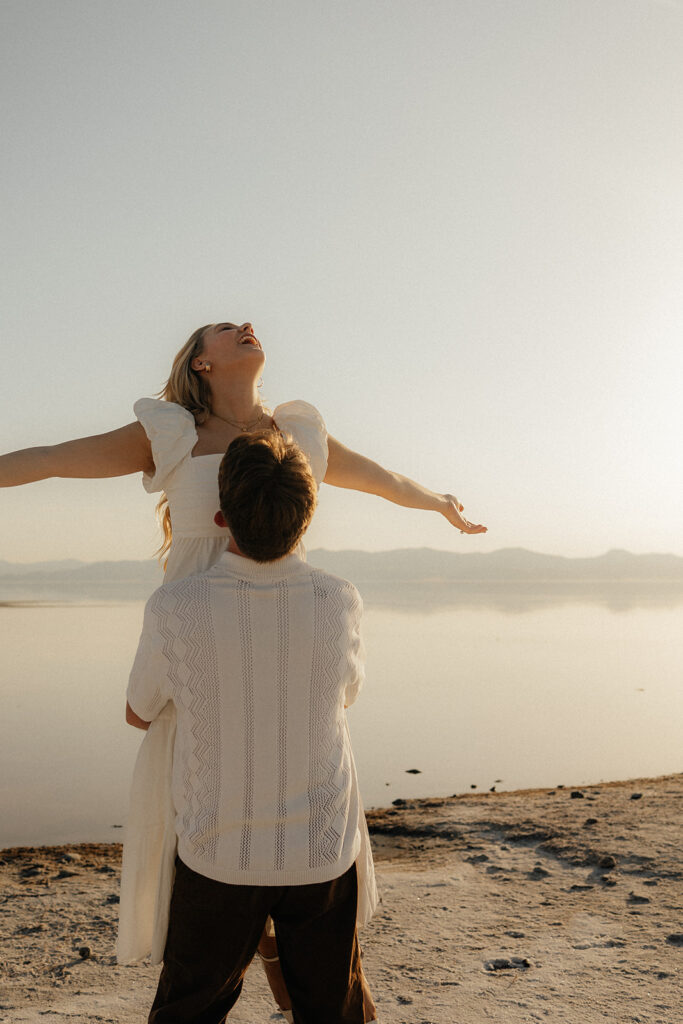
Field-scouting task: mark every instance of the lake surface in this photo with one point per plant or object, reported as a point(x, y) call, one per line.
point(499, 693)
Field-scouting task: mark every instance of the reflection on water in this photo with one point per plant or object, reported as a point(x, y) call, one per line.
point(523, 596)
point(468, 687)
point(422, 596)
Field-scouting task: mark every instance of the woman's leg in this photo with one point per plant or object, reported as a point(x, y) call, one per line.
point(267, 949)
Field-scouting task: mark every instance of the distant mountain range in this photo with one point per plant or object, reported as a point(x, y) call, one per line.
point(505, 566)
point(409, 577)
point(21, 568)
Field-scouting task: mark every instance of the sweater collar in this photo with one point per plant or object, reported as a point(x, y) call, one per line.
point(247, 569)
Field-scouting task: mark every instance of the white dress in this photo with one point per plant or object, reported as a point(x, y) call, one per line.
point(191, 486)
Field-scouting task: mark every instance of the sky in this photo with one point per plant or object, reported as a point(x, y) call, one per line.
point(457, 228)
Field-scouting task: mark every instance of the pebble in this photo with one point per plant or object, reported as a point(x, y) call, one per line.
point(32, 870)
point(112, 898)
point(590, 821)
point(515, 935)
point(64, 873)
point(413, 771)
point(576, 794)
point(675, 939)
point(84, 952)
point(505, 964)
point(635, 898)
point(538, 872)
point(636, 796)
point(69, 858)
point(608, 862)
point(400, 802)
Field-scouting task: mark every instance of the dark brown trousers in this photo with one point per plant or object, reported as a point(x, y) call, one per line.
point(213, 933)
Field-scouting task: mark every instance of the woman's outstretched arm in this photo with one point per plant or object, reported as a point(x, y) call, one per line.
point(346, 468)
point(116, 453)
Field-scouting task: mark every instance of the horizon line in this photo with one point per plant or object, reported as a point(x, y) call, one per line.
point(383, 551)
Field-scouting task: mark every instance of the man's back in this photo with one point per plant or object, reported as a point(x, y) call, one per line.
point(260, 660)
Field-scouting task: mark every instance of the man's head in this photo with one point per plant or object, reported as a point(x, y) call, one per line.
point(267, 494)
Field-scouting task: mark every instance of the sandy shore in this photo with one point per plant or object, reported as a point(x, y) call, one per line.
point(541, 905)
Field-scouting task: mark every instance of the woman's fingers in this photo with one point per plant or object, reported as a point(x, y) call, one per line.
point(468, 527)
point(459, 521)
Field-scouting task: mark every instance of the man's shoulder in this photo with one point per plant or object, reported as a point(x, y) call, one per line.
point(168, 595)
point(331, 585)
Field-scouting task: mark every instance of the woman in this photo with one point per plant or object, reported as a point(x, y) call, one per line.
point(211, 396)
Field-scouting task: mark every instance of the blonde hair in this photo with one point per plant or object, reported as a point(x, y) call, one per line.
point(186, 387)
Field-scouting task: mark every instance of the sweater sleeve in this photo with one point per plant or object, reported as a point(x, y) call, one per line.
point(149, 688)
point(356, 652)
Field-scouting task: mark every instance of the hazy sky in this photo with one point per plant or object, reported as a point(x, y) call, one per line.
point(456, 226)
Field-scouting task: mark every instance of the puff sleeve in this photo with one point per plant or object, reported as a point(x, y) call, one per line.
point(172, 434)
point(307, 427)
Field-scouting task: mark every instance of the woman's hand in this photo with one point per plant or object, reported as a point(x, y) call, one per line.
point(346, 468)
point(453, 513)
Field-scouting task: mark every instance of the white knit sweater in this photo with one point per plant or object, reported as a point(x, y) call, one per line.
point(259, 660)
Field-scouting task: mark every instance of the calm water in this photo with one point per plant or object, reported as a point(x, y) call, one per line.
point(567, 693)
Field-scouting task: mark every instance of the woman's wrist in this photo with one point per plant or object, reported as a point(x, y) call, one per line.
point(443, 504)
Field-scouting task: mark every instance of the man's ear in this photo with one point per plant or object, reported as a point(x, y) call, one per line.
point(219, 519)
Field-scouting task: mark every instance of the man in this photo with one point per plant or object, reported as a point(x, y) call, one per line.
point(260, 656)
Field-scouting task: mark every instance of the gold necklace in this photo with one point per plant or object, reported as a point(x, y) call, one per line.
point(244, 427)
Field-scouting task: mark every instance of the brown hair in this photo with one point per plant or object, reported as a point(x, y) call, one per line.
point(186, 387)
point(267, 493)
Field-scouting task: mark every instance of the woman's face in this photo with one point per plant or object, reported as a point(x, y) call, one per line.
point(229, 346)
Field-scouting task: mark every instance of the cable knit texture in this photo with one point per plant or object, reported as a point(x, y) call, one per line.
point(150, 843)
point(259, 661)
